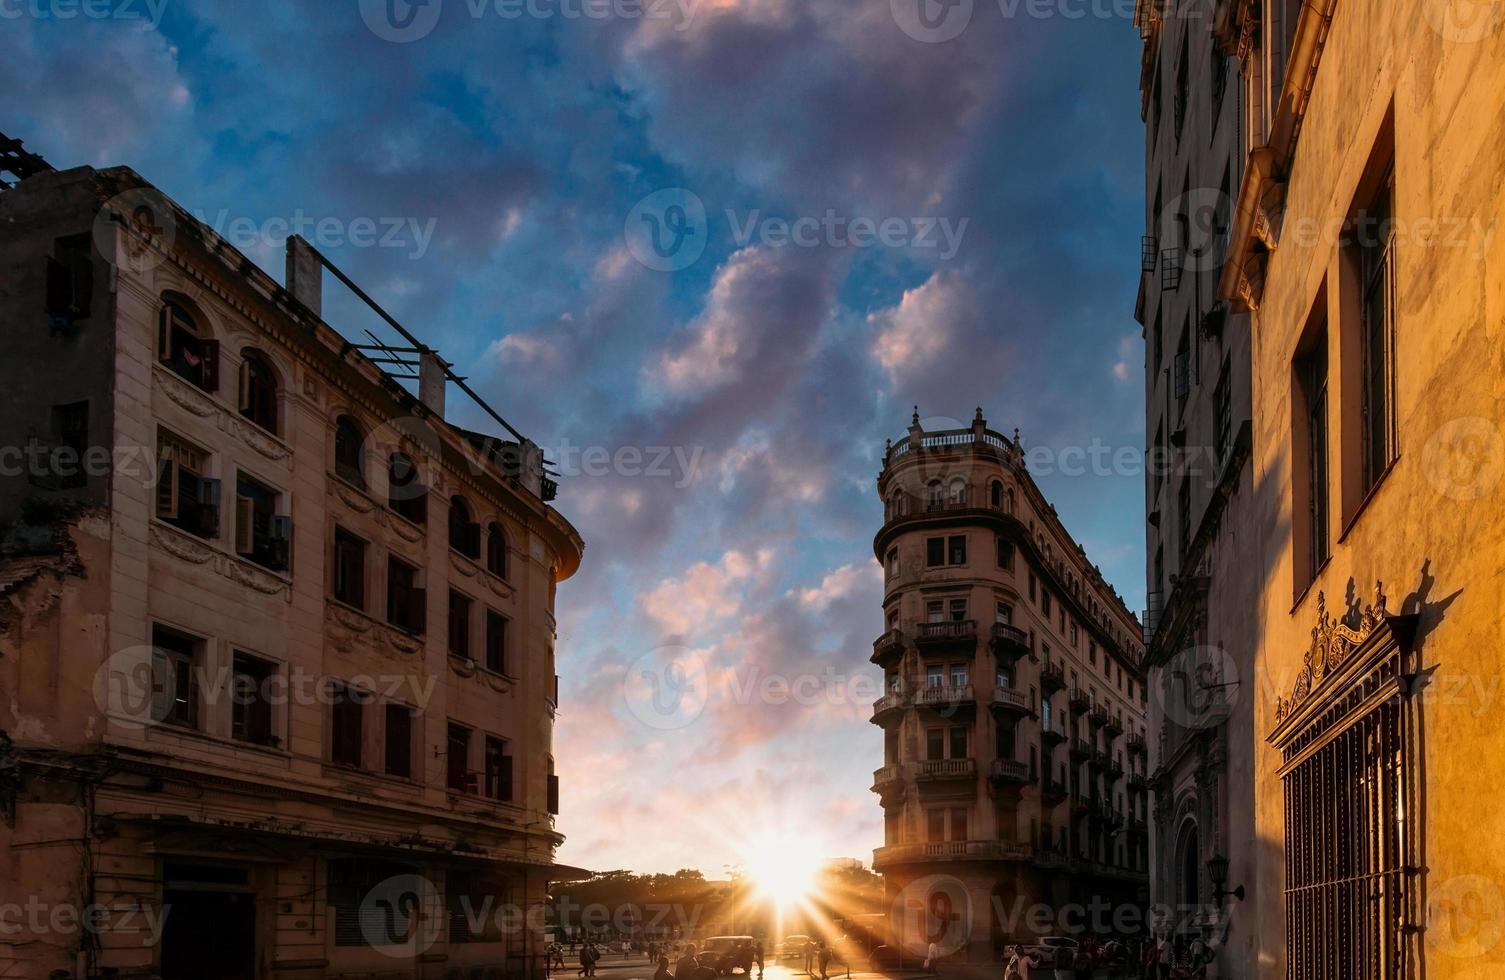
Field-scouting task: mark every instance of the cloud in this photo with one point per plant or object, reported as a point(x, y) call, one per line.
point(919, 331)
point(706, 594)
point(839, 584)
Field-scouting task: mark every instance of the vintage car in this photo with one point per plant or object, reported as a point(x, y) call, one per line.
point(724, 954)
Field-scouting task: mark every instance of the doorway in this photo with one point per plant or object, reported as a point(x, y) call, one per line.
point(210, 925)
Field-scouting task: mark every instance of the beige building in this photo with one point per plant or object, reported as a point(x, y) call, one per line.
point(277, 680)
point(1013, 723)
point(1199, 482)
point(1364, 250)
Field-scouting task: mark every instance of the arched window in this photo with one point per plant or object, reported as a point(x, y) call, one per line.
point(995, 494)
point(348, 441)
point(258, 390)
point(1189, 865)
point(937, 494)
point(958, 490)
point(496, 551)
point(185, 347)
point(1008, 501)
point(464, 534)
point(406, 493)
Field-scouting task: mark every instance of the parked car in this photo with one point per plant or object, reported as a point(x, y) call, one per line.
point(725, 954)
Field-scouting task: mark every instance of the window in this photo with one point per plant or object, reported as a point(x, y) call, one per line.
point(1183, 371)
point(958, 675)
point(1183, 514)
point(397, 736)
point(251, 707)
point(176, 658)
point(406, 493)
point(1091, 653)
point(1219, 74)
point(184, 347)
point(459, 625)
point(1183, 69)
point(1312, 436)
point(935, 744)
point(347, 709)
point(935, 826)
point(958, 491)
point(1005, 554)
point(1222, 414)
point(351, 884)
point(1376, 235)
point(1004, 613)
point(349, 567)
point(406, 602)
point(935, 676)
point(464, 534)
point(348, 451)
point(959, 824)
point(186, 498)
point(470, 901)
point(496, 642)
point(260, 534)
point(935, 552)
point(935, 495)
point(553, 790)
point(958, 610)
point(956, 548)
point(458, 777)
point(995, 494)
point(1031, 586)
point(1045, 604)
point(891, 565)
point(70, 281)
point(498, 770)
point(935, 611)
point(67, 456)
point(258, 390)
point(958, 742)
point(496, 551)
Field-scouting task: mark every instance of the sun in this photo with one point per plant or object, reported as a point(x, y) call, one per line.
point(783, 869)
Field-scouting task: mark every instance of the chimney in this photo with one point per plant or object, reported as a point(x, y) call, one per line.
point(305, 275)
point(432, 378)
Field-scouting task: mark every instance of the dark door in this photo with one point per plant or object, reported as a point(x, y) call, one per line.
point(209, 935)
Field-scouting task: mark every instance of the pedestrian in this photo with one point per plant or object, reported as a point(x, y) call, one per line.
point(1164, 957)
point(1061, 963)
point(1081, 963)
point(687, 965)
point(809, 957)
point(758, 957)
point(932, 956)
point(663, 972)
point(1018, 965)
point(825, 961)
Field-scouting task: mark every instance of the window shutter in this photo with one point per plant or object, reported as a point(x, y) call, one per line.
point(167, 489)
point(81, 272)
point(210, 349)
point(164, 335)
point(162, 684)
point(59, 289)
point(208, 494)
point(245, 538)
point(282, 541)
point(418, 609)
point(245, 386)
point(504, 789)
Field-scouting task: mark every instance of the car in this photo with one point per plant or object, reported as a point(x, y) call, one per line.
point(792, 947)
point(725, 954)
point(1045, 948)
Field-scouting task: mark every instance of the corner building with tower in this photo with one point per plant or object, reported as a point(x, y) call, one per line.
point(1013, 713)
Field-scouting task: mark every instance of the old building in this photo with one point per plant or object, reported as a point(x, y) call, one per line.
point(1364, 251)
point(1198, 481)
point(1013, 718)
point(276, 639)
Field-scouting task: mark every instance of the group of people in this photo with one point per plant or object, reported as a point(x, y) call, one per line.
point(687, 965)
point(1157, 958)
point(818, 955)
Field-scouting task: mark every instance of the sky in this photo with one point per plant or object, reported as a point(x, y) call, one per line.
point(710, 254)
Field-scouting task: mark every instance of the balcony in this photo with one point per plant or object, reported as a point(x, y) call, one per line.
point(1080, 750)
point(1115, 770)
point(1079, 701)
point(888, 782)
point(1138, 783)
point(1007, 701)
point(1114, 726)
point(1098, 761)
point(968, 850)
point(1052, 678)
point(946, 636)
point(937, 770)
point(1049, 859)
point(1139, 826)
point(1052, 792)
point(1008, 773)
point(947, 699)
point(1097, 717)
point(1138, 746)
point(1051, 736)
point(1009, 643)
point(889, 708)
point(888, 648)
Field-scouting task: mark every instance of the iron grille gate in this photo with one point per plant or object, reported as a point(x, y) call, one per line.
point(1349, 779)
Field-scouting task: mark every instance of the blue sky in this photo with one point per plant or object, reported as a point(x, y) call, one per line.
point(521, 154)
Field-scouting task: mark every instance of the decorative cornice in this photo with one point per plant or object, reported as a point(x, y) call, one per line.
point(1333, 642)
point(185, 547)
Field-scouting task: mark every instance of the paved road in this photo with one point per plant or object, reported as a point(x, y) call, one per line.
point(637, 967)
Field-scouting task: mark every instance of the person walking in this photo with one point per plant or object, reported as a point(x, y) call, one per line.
point(1061, 963)
point(825, 961)
point(932, 957)
point(758, 956)
point(687, 966)
point(1018, 964)
point(1081, 963)
point(663, 972)
point(809, 957)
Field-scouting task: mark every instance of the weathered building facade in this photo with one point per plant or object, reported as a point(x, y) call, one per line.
point(1364, 250)
point(1013, 719)
point(276, 640)
point(1198, 481)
